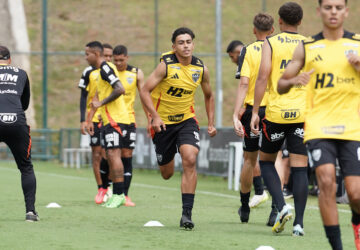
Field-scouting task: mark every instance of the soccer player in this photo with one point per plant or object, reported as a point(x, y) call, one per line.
point(248, 70)
point(114, 116)
point(168, 95)
point(132, 78)
point(14, 100)
point(331, 64)
point(88, 86)
point(234, 48)
point(284, 119)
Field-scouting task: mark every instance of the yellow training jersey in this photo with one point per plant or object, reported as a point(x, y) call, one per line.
point(289, 107)
point(114, 112)
point(128, 79)
point(333, 92)
point(250, 68)
point(173, 97)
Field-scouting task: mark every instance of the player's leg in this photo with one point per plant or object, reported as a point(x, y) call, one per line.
point(19, 141)
point(323, 155)
point(350, 166)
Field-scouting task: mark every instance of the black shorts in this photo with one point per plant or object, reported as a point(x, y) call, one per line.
point(251, 141)
point(285, 152)
point(102, 138)
point(113, 136)
point(95, 139)
point(129, 133)
point(19, 141)
point(274, 134)
point(324, 151)
point(169, 141)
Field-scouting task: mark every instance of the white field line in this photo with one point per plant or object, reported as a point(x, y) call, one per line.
point(153, 187)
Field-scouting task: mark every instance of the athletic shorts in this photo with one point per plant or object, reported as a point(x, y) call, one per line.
point(285, 152)
point(113, 136)
point(18, 139)
point(251, 140)
point(324, 151)
point(102, 138)
point(129, 134)
point(169, 141)
point(95, 139)
point(274, 134)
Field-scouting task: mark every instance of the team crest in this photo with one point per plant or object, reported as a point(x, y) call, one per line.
point(94, 140)
point(316, 154)
point(130, 80)
point(195, 77)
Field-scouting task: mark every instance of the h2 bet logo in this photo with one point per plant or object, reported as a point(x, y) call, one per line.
point(327, 80)
point(178, 92)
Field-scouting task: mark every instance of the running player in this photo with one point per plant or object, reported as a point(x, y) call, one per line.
point(114, 116)
point(234, 48)
point(14, 100)
point(284, 119)
point(132, 78)
point(331, 65)
point(248, 70)
point(168, 95)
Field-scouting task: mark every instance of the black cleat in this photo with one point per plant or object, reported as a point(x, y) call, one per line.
point(32, 216)
point(244, 213)
point(272, 217)
point(186, 222)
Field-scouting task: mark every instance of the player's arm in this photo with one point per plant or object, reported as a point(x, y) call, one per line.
point(354, 60)
point(290, 77)
point(154, 79)
point(25, 96)
point(89, 125)
point(239, 103)
point(209, 101)
point(140, 81)
point(260, 85)
point(83, 84)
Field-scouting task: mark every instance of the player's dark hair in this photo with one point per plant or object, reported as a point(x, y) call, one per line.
point(96, 45)
point(263, 22)
point(182, 31)
point(4, 53)
point(120, 50)
point(107, 46)
point(232, 45)
point(291, 13)
point(320, 2)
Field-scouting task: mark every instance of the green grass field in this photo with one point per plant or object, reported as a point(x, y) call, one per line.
point(81, 224)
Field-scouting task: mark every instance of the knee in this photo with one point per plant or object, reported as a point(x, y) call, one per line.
point(248, 161)
point(354, 198)
point(166, 175)
point(327, 185)
point(189, 162)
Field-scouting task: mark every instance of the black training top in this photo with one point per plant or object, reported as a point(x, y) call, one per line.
point(14, 95)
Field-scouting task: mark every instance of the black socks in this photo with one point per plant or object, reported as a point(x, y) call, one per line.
point(334, 236)
point(300, 192)
point(258, 186)
point(127, 162)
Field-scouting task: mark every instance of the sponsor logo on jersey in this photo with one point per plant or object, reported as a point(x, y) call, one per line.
point(317, 58)
point(168, 59)
point(198, 62)
point(257, 48)
point(316, 154)
point(290, 114)
point(277, 136)
point(334, 130)
point(317, 46)
point(8, 91)
point(299, 132)
point(351, 51)
point(195, 70)
point(355, 45)
point(176, 118)
point(8, 118)
point(288, 40)
point(175, 76)
point(195, 77)
point(8, 77)
point(175, 67)
point(10, 67)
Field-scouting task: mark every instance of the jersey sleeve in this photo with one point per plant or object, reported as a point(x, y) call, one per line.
point(240, 63)
point(245, 69)
point(108, 74)
point(85, 78)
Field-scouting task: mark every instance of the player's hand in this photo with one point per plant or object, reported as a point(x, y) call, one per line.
point(211, 131)
point(254, 124)
point(303, 78)
point(157, 124)
point(90, 128)
point(354, 60)
point(95, 104)
point(83, 127)
point(239, 131)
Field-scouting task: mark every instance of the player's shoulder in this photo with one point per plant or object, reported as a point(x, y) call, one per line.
point(88, 70)
point(255, 46)
point(351, 35)
point(168, 57)
point(315, 38)
point(132, 69)
point(197, 61)
point(107, 67)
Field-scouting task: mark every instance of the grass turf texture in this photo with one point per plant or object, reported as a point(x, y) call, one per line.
point(81, 224)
